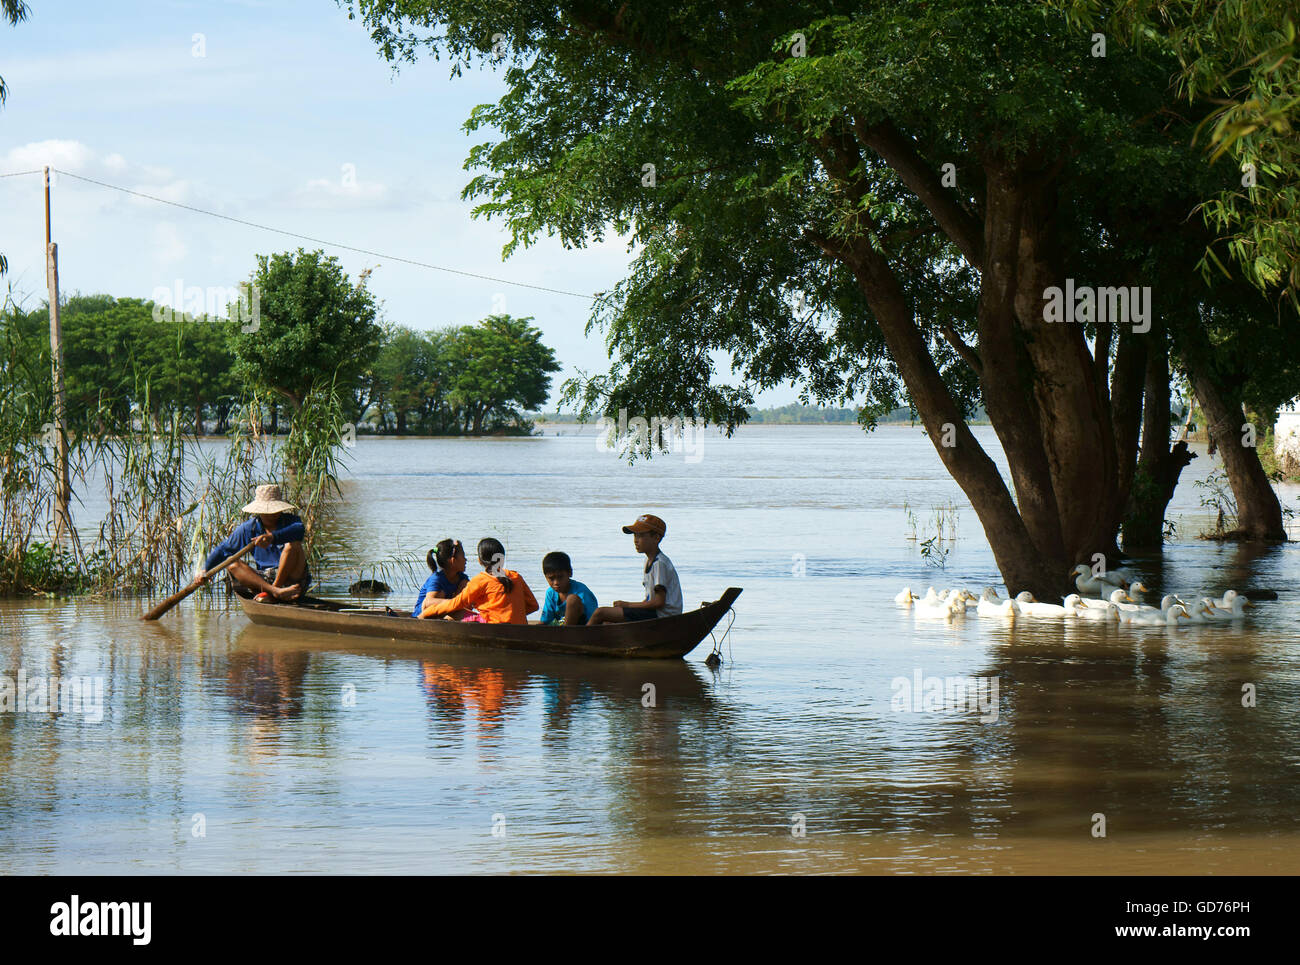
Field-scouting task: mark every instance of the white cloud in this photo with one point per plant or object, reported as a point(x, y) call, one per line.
point(76, 157)
point(69, 155)
point(345, 191)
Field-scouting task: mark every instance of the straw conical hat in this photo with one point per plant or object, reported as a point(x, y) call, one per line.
point(267, 501)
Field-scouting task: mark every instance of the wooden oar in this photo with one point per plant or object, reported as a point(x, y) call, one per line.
point(175, 598)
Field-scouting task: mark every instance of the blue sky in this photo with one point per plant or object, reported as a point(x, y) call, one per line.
point(288, 118)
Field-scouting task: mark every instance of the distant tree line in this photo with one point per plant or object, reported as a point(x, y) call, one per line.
point(796, 413)
point(309, 325)
point(799, 414)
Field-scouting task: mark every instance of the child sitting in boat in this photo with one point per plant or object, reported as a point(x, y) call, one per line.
point(447, 574)
point(567, 601)
point(500, 595)
point(663, 591)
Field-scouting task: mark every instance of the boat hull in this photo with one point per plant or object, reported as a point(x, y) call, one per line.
point(665, 638)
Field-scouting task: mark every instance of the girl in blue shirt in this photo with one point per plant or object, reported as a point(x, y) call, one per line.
point(447, 561)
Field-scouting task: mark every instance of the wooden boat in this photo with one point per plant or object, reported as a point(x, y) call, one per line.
point(665, 638)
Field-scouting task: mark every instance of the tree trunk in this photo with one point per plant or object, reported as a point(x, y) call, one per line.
point(1006, 380)
point(275, 418)
point(1158, 467)
point(1127, 390)
point(1021, 563)
point(1076, 434)
point(401, 421)
point(198, 415)
point(1050, 408)
point(1259, 514)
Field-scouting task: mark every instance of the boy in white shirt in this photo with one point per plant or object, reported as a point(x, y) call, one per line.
point(663, 591)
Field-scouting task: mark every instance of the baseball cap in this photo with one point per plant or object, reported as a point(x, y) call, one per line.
point(647, 524)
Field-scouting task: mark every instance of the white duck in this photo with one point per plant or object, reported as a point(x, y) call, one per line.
point(1122, 600)
point(1120, 576)
point(1166, 602)
point(1200, 613)
point(1225, 602)
point(906, 597)
point(1118, 598)
point(1236, 611)
point(1087, 583)
point(1106, 612)
point(1032, 608)
point(939, 607)
point(987, 608)
point(1176, 615)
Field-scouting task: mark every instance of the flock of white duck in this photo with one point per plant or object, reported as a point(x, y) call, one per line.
point(1111, 597)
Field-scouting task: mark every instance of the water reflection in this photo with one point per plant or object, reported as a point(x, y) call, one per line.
point(313, 752)
point(268, 669)
point(267, 685)
point(488, 692)
point(1146, 726)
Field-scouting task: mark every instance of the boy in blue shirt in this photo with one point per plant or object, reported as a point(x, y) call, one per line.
point(279, 569)
point(567, 601)
point(447, 560)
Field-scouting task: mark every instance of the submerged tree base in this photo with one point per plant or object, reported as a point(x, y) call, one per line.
point(1240, 536)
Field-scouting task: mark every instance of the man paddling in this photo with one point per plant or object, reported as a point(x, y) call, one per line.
point(279, 569)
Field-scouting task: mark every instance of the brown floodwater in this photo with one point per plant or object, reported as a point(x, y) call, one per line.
point(215, 746)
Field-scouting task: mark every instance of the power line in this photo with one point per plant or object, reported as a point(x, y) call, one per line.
point(313, 240)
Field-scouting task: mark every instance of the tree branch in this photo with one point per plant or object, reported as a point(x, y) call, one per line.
point(833, 249)
point(840, 157)
point(968, 354)
point(900, 153)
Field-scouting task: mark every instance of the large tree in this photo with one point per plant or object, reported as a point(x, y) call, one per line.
point(404, 375)
point(108, 356)
point(313, 326)
point(116, 351)
point(496, 369)
point(919, 174)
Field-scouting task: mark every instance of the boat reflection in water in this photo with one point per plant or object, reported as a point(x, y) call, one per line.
point(487, 693)
point(268, 667)
point(267, 684)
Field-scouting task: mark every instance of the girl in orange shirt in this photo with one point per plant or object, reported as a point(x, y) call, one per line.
point(499, 595)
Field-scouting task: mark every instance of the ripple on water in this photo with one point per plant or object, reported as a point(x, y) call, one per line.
point(293, 752)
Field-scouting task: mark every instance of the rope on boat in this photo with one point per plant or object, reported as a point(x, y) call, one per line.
point(714, 660)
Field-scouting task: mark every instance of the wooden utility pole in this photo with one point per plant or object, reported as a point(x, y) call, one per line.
point(63, 486)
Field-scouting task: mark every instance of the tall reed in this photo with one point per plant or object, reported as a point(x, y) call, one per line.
point(168, 498)
point(27, 470)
